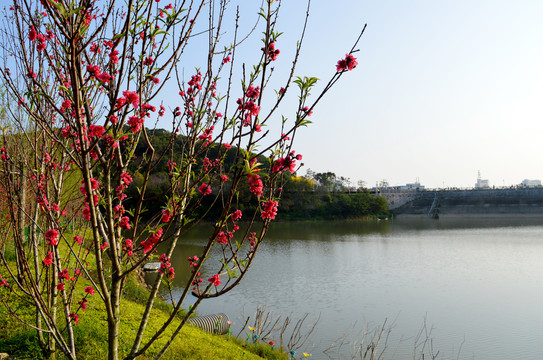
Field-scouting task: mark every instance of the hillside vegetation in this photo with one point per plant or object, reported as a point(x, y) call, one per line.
point(319, 196)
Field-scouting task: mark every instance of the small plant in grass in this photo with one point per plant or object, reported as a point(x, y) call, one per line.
point(267, 327)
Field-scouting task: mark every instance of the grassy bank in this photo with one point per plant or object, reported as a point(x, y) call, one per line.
point(21, 342)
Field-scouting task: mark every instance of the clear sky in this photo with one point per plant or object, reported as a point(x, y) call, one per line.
point(443, 89)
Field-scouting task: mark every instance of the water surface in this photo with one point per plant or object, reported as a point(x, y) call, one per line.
point(475, 283)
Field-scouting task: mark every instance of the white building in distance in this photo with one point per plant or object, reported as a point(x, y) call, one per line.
point(530, 183)
point(481, 184)
point(415, 186)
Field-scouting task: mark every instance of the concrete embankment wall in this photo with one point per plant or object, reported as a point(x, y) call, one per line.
point(502, 202)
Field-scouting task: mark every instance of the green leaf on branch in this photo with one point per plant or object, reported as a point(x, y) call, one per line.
point(118, 36)
point(232, 273)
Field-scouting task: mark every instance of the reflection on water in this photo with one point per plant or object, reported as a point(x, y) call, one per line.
point(476, 282)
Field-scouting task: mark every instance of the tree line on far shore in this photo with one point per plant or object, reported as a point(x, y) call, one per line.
point(315, 196)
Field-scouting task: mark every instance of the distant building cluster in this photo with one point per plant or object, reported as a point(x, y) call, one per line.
point(526, 183)
point(413, 186)
point(481, 184)
point(530, 183)
point(383, 186)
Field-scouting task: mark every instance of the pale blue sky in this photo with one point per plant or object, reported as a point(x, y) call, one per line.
point(443, 89)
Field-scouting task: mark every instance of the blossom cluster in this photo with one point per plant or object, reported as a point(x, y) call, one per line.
point(193, 262)
point(286, 163)
point(154, 239)
point(270, 210)
point(272, 52)
point(248, 106)
point(348, 63)
point(215, 280)
point(39, 38)
point(3, 282)
point(166, 266)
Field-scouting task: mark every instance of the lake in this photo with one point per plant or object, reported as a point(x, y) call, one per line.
point(475, 284)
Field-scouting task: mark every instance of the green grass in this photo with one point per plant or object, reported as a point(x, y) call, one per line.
point(91, 332)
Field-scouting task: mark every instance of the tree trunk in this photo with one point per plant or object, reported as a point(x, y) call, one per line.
point(114, 321)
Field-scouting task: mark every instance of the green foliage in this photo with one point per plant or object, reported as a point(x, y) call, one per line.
point(301, 199)
point(22, 346)
point(305, 199)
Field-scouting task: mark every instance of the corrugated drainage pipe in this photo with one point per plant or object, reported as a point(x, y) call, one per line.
point(214, 323)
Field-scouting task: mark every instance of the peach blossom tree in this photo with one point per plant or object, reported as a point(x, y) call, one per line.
point(84, 83)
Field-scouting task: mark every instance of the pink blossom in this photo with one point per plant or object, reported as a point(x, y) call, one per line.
point(236, 215)
point(166, 216)
point(48, 260)
point(119, 209)
point(306, 110)
point(52, 237)
point(215, 279)
point(113, 56)
point(153, 239)
point(78, 239)
point(104, 77)
point(64, 275)
point(32, 34)
point(96, 130)
point(95, 184)
point(89, 290)
point(252, 92)
point(348, 63)
point(94, 70)
point(272, 52)
point(270, 210)
point(148, 61)
point(135, 123)
point(205, 189)
point(147, 246)
point(87, 213)
point(95, 48)
point(222, 238)
point(83, 303)
point(286, 163)
point(131, 97)
point(125, 223)
point(255, 184)
point(126, 178)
